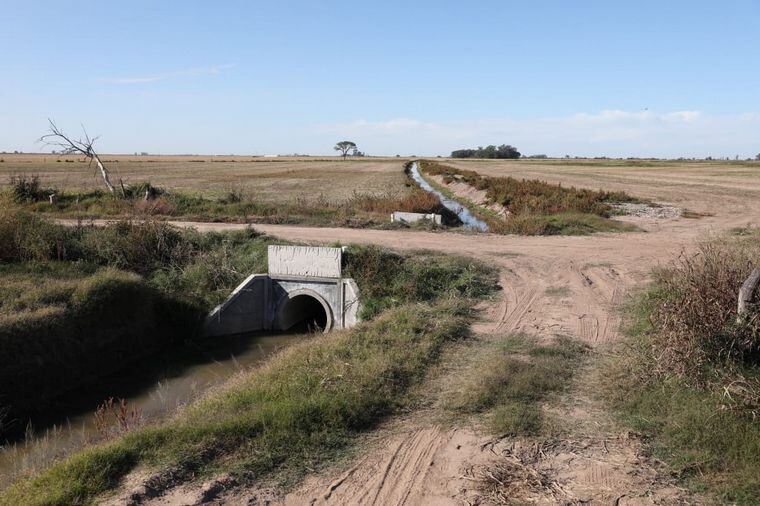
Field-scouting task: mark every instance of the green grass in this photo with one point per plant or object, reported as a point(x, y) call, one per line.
point(291, 415)
point(714, 450)
point(510, 379)
point(198, 266)
point(387, 279)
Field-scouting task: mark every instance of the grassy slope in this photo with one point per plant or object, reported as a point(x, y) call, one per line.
point(295, 412)
point(79, 303)
point(73, 331)
point(536, 208)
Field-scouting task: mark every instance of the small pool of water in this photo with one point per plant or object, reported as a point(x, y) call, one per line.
point(464, 214)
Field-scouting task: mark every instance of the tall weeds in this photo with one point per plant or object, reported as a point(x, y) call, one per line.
point(690, 376)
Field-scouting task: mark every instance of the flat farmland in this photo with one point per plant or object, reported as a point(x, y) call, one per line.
point(266, 179)
point(711, 187)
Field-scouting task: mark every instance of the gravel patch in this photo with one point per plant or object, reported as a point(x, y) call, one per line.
point(648, 211)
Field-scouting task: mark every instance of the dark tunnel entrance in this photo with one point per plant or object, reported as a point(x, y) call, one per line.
point(303, 313)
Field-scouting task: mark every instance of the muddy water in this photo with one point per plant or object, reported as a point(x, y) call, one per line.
point(464, 214)
point(154, 390)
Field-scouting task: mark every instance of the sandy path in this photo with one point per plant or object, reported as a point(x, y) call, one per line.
point(551, 285)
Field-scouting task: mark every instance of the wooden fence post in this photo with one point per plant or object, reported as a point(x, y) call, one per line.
point(747, 291)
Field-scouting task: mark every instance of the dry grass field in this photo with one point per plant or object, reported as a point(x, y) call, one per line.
point(266, 179)
point(286, 179)
point(702, 186)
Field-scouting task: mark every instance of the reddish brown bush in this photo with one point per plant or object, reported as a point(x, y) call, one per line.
point(531, 197)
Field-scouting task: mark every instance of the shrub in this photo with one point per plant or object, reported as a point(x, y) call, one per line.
point(183, 262)
point(26, 189)
point(143, 190)
point(693, 308)
point(689, 377)
point(24, 236)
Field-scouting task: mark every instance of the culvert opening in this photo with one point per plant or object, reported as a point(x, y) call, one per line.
point(303, 313)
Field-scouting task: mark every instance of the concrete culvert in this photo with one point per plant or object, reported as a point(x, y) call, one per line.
point(304, 312)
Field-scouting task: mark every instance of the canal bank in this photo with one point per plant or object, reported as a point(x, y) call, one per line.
point(468, 220)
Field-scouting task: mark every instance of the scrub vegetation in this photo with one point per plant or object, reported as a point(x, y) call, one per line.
point(304, 197)
point(690, 378)
point(535, 207)
point(300, 409)
point(358, 210)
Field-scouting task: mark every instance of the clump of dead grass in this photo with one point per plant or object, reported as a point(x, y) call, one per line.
point(690, 376)
point(512, 379)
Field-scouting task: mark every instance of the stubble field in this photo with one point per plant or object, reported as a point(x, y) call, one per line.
point(268, 179)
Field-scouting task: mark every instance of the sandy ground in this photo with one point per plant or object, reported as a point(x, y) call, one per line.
point(551, 285)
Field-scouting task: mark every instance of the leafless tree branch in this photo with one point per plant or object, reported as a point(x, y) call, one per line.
point(82, 146)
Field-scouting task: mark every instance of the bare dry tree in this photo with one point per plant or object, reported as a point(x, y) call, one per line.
point(83, 146)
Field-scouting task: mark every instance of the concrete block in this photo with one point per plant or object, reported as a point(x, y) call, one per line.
point(307, 261)
point(414, 217)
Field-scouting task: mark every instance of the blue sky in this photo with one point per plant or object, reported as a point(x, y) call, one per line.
point(644, 78)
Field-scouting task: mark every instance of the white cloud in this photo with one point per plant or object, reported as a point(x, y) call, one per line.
point(606, 133)
point(196, 71)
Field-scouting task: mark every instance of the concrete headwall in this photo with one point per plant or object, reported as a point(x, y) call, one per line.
point(305, 261)
point(400, 216)
point(260, 302)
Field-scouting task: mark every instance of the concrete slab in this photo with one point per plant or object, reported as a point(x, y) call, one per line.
point(414, 217)
point(307, 261)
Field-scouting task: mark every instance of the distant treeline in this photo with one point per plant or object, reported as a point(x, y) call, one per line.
point(503, 151)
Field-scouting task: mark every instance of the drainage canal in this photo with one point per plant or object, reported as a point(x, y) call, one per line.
point(464, 214)
point(307, 293)
point(153, 388)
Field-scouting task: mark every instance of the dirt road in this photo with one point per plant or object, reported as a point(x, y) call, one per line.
point(551, 285)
